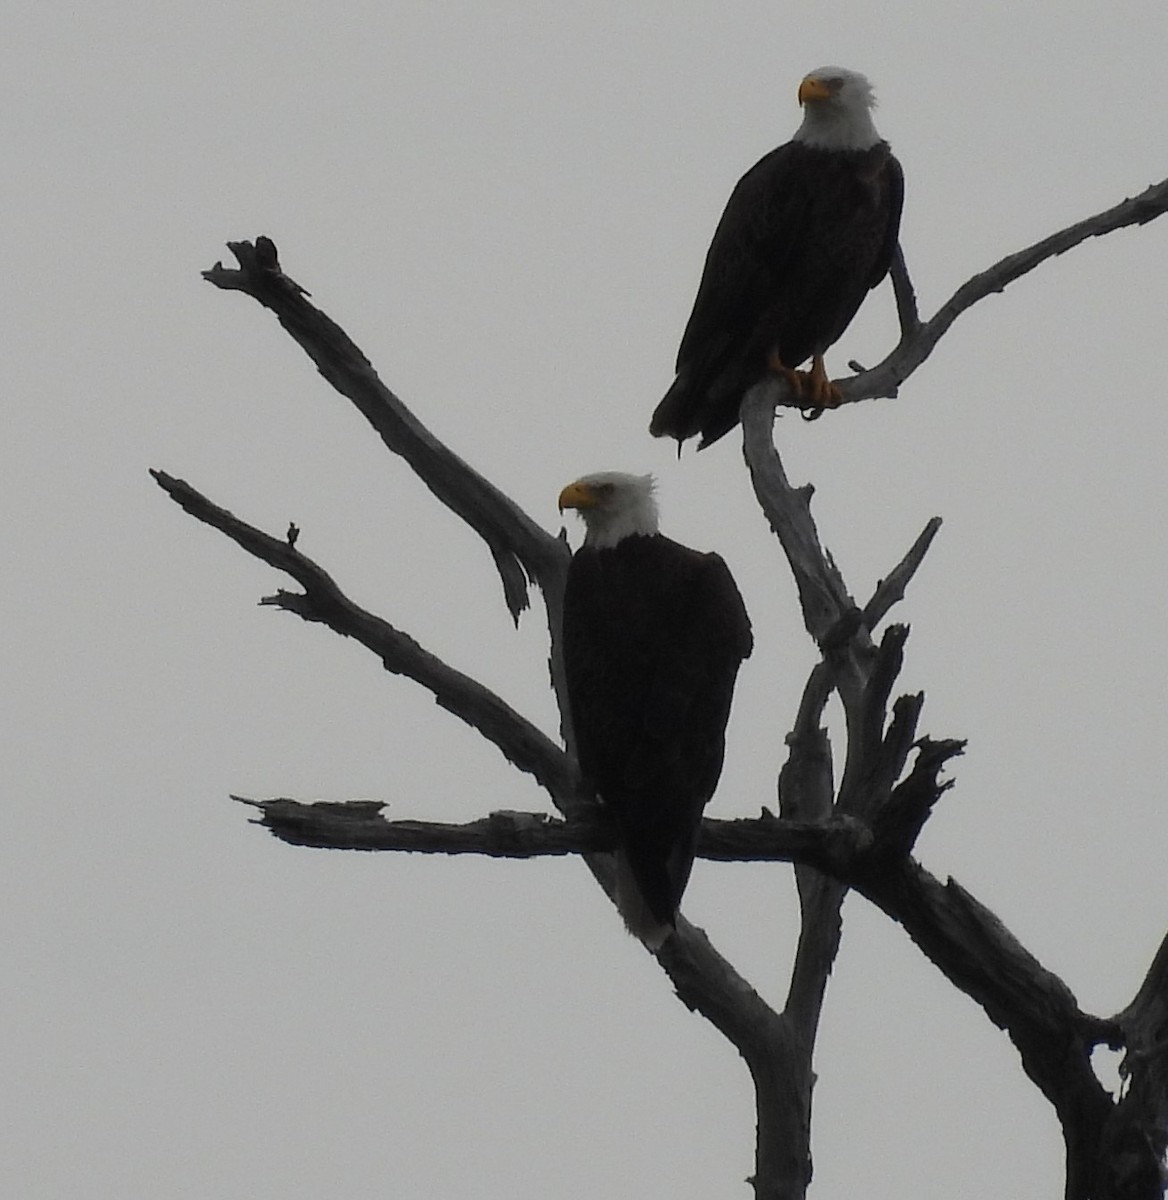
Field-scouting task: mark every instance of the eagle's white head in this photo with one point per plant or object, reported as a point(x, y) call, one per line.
point(613, 506)
point(837, 110)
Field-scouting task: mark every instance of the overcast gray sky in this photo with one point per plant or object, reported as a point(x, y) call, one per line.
point(507, 206)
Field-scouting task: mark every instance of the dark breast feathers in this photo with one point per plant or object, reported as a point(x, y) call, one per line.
point(654, 634)
point(804, 237)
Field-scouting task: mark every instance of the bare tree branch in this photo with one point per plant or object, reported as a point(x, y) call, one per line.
point(906, 298)
point(806, 790)
point(963, 938)
point(890, 590)
point(519, 741)
point(521, 549)
point(823, 596)
point(918, 339)
point(1053, 1036)
point(361, 825)
point(959, 935)
point(706, 983)
point(703, 979)
point(851, 665)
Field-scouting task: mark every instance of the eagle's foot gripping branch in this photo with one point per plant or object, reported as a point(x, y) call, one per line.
point(813, 388)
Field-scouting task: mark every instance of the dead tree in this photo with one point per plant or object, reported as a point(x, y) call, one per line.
point(858, 834)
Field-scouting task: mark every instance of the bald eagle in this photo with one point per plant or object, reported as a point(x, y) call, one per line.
point(653, 636)
point(808, 231)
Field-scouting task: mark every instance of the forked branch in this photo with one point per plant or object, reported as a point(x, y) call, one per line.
point(918, 339)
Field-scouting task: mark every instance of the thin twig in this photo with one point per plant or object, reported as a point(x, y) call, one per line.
point(890, 590)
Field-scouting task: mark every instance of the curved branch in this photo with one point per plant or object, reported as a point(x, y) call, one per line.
point(521, 549)
point(918, 339)
point(322, 600)
point(967, 943)
point(823, 595)
point(958, 934)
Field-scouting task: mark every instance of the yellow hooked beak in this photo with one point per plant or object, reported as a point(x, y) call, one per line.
point(578, 495)
point(813, 88)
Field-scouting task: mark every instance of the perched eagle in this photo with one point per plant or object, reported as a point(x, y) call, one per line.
point(808, 231)
point(653, 636)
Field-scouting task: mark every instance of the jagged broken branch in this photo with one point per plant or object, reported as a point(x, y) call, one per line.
point(361, 825)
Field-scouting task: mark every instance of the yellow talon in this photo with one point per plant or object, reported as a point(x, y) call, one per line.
point(780, 368)
point(813, 388)
point(822, 392)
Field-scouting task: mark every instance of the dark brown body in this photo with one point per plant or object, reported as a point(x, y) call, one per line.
point(805, 235)
point(654, 634)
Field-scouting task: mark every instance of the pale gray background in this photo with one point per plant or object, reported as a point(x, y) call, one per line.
point(507, 206)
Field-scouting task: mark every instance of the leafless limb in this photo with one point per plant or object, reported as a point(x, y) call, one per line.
point(965, 940)
point(918, 338)
point(906, 297)
point(520, 742)
point(823, 596)
point(957, 933)
point(890, 590)
point(360, 825)
point(521, 548)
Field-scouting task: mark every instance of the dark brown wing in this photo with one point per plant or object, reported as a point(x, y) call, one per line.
point(805, 236)
point(749, 256)
point(654, 634)
point(893, 183)
point(674, 768)
point(759, 230)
